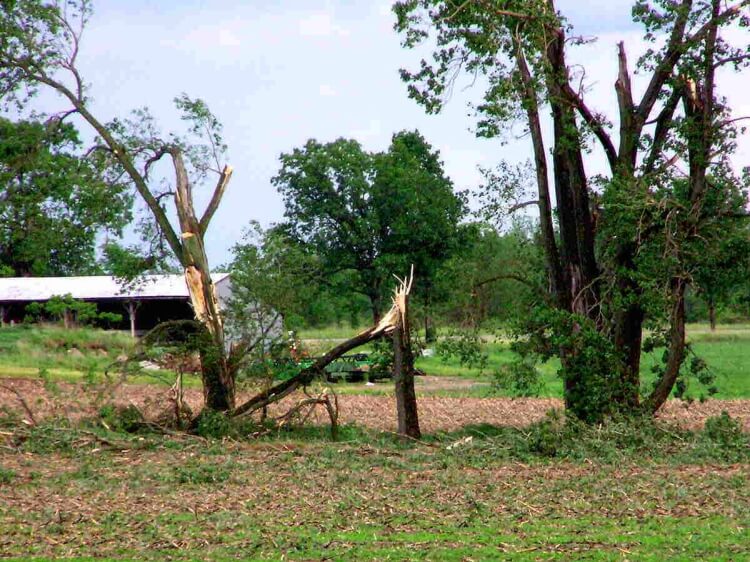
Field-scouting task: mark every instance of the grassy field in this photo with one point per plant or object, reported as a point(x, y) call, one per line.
point(726, 351)
point(498, 495)
point(26, 351)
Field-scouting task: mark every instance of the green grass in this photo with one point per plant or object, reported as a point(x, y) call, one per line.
point(82, 354)
point(619, 493)
point(726, 351)
point(24, 351)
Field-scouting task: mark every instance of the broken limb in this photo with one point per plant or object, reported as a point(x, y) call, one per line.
point(386, 326)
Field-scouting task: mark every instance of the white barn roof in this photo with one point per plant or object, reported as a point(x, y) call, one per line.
point(96, 287)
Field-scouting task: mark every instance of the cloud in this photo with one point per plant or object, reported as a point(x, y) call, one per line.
point(321, 25)
point(327, 91)
point(227, 38)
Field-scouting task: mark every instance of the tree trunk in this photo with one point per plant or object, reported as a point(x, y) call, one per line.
point(217, 376)
point(712, 314)
point(429, 328)
point(376, 305)
point(403, 376)
point(676, 349)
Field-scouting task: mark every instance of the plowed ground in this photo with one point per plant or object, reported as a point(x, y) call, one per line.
point(437, 413)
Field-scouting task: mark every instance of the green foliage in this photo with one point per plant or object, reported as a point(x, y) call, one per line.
point(617, 439)
point(213, 424)
point(128, 419)
point(275, 279)
point(6, 475)
point(381, 359)
point(495, 274)
point(520, 378)
point(590, 370)
point(54, 202)
point(83, 313)
point(726, 433)
point(357, 211)
point(465, 346)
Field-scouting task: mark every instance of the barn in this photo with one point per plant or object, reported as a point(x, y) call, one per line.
point(143, 303)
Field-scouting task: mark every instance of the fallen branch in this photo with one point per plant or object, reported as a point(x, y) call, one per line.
point(322, 399)
point(24, 404)
point(387, 324)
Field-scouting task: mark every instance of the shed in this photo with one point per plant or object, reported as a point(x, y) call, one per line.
point(145, 302)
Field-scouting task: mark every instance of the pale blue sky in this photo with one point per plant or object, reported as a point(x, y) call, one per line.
point(280, 72)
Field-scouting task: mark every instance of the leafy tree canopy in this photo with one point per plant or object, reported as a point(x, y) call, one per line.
point(372, 214)
point(53, 201)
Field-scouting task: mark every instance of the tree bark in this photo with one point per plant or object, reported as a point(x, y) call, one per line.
point(403, 376)
point(676, 349)
point(217, 376)
point(712, 314)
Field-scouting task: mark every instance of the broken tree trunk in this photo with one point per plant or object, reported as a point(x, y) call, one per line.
point(216, 373)
point(387, 325)
point(403, 368)
point(304, 377)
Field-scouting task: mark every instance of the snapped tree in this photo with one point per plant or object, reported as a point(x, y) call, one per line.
point(39, 47)
point(620, 250)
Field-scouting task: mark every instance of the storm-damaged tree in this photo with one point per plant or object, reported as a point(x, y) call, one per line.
point(621, 249)
point(39, 47)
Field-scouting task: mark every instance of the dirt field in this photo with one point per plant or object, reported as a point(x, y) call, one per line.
point(378, 412)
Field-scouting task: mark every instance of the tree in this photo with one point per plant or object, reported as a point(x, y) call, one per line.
point(371, 214)
point(53, 201)
point(492, 276)
point(271, 267)
point(39, 46)
point(602, 237)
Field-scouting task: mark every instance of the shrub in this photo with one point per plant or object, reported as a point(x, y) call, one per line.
point(128, 419)
point(212, 424)
point(520, 379)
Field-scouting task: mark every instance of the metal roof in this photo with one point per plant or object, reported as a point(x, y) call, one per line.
point(96, 287)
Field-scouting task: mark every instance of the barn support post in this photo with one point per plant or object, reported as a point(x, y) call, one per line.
point(2, 315)
point(131, 308)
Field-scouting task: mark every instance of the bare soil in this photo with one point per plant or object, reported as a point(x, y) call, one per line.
point(436, 413)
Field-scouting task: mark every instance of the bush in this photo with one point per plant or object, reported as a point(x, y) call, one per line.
point(724, 429)
point(213, 424)
point(520, 379)
point(722, 437)
point(128, 419)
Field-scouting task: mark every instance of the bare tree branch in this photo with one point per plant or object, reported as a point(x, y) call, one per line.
point(221, 186)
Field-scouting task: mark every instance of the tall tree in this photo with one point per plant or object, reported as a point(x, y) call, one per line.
point(53, 201)
point(39, 46)
point(596, 240)
point(371, 214)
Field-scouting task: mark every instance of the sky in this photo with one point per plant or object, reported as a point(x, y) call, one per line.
point(279, 72)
